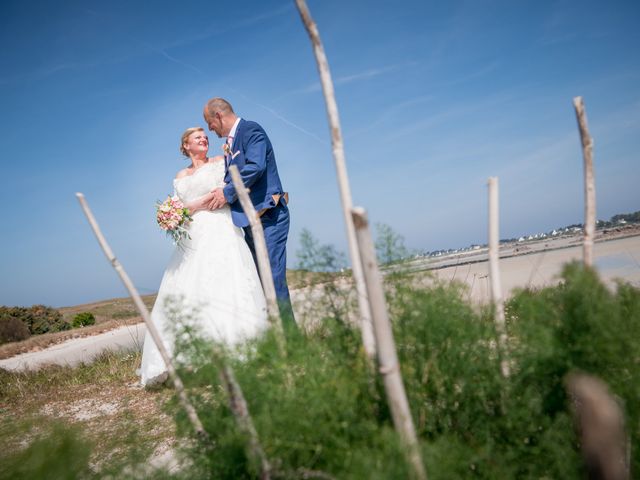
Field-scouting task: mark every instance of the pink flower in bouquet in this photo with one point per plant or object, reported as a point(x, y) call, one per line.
point(173, 218)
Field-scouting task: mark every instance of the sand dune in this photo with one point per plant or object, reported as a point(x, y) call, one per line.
point(534, 265)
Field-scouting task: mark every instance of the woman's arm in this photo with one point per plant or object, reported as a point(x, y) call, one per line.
point(200, 203)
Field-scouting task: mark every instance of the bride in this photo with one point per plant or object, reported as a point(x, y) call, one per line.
point(212, 273)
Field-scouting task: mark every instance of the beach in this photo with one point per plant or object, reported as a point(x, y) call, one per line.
point(538, 266)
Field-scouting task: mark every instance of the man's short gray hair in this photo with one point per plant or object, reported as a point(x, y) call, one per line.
point(218, 105)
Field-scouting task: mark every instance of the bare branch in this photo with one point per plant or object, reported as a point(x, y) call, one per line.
point(144, 313)
point(366, 327)
point(600, 424)
point(494, 273)
point(262, 255)
point(240, 410)
point(387, 355)
point(589, 182)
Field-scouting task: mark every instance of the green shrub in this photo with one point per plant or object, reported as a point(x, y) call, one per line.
point(38, 318)
point(83, 319)
point(578, 326)
point(13, 330)
point(318, 409)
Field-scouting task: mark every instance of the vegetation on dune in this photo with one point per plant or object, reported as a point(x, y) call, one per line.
point(390, 247)
point(319, 413)
point(42, 326)
point(37, 319)
point(83, 319)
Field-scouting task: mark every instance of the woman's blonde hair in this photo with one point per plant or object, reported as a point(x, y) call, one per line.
point(185, 137)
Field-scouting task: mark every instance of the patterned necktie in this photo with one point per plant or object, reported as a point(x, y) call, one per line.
point(228, 157)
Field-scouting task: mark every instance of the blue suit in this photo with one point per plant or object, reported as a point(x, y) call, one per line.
point(257, 165)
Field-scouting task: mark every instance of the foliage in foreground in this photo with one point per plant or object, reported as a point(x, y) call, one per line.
point(319, 411)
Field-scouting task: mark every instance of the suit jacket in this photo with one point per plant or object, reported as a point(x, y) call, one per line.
point(257, 165)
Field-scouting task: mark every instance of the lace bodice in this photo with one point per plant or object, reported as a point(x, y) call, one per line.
point(201, 182)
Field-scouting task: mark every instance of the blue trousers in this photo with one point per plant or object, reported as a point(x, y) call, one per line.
point(275, 223)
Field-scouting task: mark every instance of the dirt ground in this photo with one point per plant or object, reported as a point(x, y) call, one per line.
point(104, 400)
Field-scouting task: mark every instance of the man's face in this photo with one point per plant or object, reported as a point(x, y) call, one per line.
point(214, 122)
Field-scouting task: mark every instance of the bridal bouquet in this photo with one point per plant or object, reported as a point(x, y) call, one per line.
point(173, 218)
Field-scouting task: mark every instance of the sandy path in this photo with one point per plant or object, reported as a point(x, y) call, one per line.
point(79, 350)
point(614, 259)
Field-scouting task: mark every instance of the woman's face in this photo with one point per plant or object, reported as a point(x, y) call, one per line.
point(197, 142)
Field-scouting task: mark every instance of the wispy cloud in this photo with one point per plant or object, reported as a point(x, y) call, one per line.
point(410, 102)
point(417, 100)
point(291, 124)
point(173, 59)
point(45, 71)
point(374, 72)
point(393, 109)
point(557, 26)
point(281, 117)
point(457, 111)
point(474, 74)
point(222, 26)
point(352, 77)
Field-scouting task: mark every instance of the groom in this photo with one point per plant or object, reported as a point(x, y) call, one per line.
point(252, 153)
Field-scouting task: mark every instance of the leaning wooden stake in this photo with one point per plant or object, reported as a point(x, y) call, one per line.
point(589, 182)
point(600, 425)
point(494, 273)
point(387, 355)
point(144, 313)
point(240, 410)
point(368, 338)
point(264, 265)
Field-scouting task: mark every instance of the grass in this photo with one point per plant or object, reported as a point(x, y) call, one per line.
point(319, 412)
point(100, 402)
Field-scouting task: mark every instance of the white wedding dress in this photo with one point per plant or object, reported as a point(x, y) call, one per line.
point(211, 277)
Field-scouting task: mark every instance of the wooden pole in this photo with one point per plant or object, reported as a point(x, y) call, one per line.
point(240, 411)
point(264, 265)
point(600, 426)
point(387, 355)
point(494, 273)
point(366, 327)
point(144, 313)
point(589, 182)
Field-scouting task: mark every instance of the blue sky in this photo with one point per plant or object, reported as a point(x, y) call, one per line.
point(434, 98)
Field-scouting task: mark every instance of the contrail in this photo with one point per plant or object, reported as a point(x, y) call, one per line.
point(175, 60)
point(283, 119)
